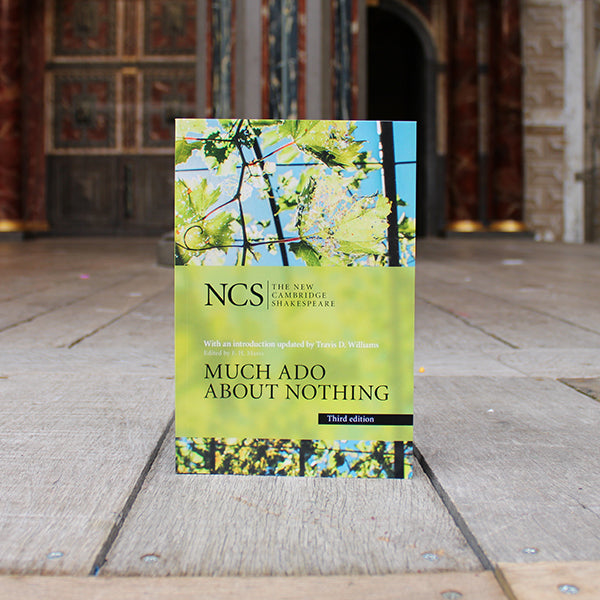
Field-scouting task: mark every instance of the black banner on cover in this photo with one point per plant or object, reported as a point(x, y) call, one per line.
point(364, 419)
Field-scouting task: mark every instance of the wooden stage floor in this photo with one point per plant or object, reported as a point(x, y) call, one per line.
point(505, 501)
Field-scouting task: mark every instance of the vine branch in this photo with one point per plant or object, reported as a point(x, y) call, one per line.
point(272, 203)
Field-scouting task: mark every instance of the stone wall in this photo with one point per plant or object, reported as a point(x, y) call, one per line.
point(560, 66)
point(544, 103)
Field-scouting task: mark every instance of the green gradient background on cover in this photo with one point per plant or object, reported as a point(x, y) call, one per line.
point(372, 305)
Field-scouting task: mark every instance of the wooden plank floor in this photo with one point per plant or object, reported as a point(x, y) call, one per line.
point(516, 459)
point(507, 381)
point(78, 425)
point(228, 526)
point(431, 586)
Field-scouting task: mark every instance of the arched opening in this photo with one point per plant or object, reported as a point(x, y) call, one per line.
point(401, 87)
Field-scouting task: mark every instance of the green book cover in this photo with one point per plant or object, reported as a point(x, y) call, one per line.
point(294, 297)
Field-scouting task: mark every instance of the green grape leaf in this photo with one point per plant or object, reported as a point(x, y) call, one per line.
point(296, 129)
point(288, 154)
point(383, 207)
point(331, 158)
point(407, 228)
point(305, 252)
point(263, 122)
point(216, 148)
point(218, 229)
point(362, 230)
point(183, 151)
point(191, 204)
point(204, 235)
point(332, 144)
point(202, 198)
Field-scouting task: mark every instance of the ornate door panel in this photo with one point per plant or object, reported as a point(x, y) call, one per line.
point(118, 73)
point(80, 193)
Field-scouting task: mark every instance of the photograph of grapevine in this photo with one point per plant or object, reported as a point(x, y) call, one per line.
point(308, 458)
point(294, 193)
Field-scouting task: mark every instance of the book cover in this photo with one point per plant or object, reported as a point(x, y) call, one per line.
point(294, 297)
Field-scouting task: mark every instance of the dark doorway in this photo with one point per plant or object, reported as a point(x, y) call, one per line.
point(397, 90)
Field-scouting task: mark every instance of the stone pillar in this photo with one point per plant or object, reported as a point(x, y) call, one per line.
point(11, 218)
point(463, 139)
point(573, 192)
point(506, 118)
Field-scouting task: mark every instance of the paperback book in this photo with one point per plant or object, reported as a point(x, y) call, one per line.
point(294, 297)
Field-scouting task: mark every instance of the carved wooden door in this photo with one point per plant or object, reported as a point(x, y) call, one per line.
point(118, 73)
